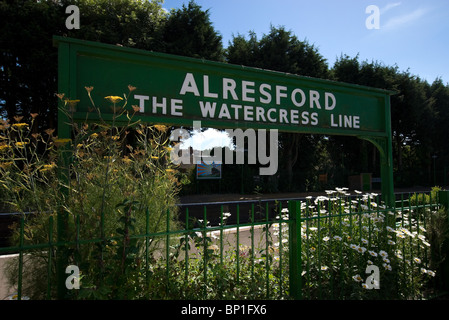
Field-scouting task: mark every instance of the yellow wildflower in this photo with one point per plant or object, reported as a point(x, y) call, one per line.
point(115, 137)
point(48, 167)
point(127, 160)
point(114, 99)
point(20, 125)
point(61, 142)
point(72, 104)
point(4, 124)
point(4, 147)
point(160, 127)
point(94, 135)
point(5, 165)
point(21, 144)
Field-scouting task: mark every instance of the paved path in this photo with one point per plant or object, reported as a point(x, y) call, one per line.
point(5, 291)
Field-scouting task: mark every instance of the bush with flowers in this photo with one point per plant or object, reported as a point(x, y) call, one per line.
point(351, 248)
point(345, 238)
point(115, 176)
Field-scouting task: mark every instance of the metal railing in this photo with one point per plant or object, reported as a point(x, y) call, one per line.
point(317, 248)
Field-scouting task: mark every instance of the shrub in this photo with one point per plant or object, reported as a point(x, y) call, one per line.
point(114, 176)
point(342, 236)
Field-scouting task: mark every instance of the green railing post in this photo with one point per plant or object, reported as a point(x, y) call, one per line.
point(295, 268)
point(443, 199)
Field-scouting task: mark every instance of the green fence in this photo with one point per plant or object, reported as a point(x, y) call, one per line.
point(356, 248)
point(330, 247)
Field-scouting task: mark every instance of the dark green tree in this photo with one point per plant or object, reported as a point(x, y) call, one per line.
point(433, 132)
point(28, 65)
point(28, 59)
point(189, 32)
point(413, 120)
point(280, 50)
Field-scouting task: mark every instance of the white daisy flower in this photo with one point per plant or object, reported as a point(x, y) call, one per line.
point(361, 250)
point(357, 278)
point(372, 253)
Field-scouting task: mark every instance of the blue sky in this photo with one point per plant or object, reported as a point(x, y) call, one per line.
point(413, 34)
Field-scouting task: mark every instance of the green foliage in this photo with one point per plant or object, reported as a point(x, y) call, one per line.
point(280, 50)
point(28, 78)
point(189, 32)
point(119, 182)
point(341, 237)
point(202, 265)
point(418, 110)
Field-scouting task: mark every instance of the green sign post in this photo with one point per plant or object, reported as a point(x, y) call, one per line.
point(177, 91)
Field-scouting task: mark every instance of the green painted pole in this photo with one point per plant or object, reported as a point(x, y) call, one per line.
point(64, 71)
point(387, 160)
point(295, 270)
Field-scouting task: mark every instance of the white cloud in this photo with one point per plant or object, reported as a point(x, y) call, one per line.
point(404, 19)
point(389, 6)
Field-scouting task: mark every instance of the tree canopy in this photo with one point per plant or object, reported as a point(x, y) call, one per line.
point(189, 32)
point(280, 50)
point(28, 65)
point(419, 110)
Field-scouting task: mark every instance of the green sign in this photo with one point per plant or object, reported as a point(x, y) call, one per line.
point(178, 90)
